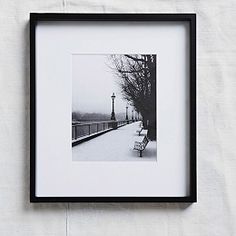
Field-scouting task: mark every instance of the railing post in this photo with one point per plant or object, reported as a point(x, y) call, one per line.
point(89, 129)
point(75, 131)
point(72, 130)
point(114, 124)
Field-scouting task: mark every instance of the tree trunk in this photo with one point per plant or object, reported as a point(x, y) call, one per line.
point(152, 128)
point(145, 122)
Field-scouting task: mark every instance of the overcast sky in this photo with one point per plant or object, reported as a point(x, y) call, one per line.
point(93, 84)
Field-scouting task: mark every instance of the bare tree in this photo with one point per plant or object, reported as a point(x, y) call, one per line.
point(137, 80)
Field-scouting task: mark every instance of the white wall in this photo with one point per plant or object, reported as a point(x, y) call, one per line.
point(215, 212)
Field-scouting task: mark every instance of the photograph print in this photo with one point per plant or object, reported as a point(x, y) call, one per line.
point(114, 107)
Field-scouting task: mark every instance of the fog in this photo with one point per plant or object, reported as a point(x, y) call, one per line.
point(93, 83)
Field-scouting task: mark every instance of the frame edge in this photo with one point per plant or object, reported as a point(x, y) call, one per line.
point(191, 17)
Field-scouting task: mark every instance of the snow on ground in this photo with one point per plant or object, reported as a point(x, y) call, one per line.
point(116, 145)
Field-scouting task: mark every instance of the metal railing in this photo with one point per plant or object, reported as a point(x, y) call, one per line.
point(89, 128)
point(122, 122)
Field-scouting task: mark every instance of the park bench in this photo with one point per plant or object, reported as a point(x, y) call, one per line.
point(140, 146)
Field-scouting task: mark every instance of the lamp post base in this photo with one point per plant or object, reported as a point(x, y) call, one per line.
point(113, 117)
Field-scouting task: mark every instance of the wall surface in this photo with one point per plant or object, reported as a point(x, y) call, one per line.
point(215, 212)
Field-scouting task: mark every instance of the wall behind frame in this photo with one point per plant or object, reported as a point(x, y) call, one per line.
point(215, 212)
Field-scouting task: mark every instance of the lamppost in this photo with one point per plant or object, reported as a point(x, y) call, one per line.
point(126, 117)
point(113, 117)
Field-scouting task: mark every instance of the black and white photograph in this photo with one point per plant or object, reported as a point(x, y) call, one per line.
point(114, 107)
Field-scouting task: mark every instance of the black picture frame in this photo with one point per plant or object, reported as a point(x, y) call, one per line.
point(191, 19)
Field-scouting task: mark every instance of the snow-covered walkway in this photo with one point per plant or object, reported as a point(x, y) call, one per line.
point(116, 145)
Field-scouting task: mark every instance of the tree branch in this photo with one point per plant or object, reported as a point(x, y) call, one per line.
point(135, 59)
